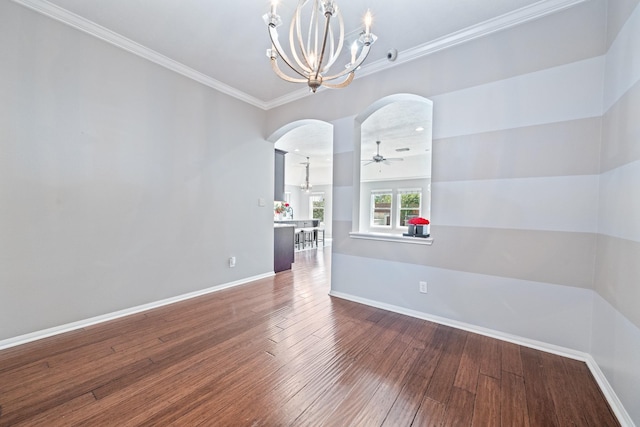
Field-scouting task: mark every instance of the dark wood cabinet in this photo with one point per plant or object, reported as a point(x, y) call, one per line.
point(282, 247)
point(278, 188)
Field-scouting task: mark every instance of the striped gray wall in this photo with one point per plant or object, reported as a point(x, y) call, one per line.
point(535, 194)
point(514, 196)
point(615, 339)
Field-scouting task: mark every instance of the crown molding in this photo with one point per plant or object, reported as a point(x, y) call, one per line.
point(62, 15)
point(508, 20)
point(499, 23)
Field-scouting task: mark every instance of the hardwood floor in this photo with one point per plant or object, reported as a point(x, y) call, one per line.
point(280, 352)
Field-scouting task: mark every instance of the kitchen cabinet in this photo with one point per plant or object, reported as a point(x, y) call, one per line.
point(283, 253)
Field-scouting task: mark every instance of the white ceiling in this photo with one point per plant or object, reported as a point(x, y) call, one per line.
point(223, 44)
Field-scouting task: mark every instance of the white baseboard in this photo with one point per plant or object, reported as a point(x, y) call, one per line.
point(616, 405)
point(603, 383)
point(34, 336)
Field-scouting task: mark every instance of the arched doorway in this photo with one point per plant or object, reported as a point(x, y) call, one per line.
point(308, 142)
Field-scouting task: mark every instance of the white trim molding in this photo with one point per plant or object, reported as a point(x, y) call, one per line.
point(616, 405)
point(490, 26)
point(46, 333)
point(384, 237)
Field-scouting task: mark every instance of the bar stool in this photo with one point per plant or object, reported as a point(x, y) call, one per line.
point(298, 239)
point(309, 237)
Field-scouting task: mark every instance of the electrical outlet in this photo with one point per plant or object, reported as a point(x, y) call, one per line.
point(232, 262)
point(423, 287)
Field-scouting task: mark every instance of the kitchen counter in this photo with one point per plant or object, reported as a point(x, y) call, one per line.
point(300, 223)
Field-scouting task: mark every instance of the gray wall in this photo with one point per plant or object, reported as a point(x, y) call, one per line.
point(115, 189)
point(526, 243)
point(121, 183)
point(616, 321)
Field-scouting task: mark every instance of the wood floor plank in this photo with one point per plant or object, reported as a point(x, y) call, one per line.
point(486, 412)
point(460, 410)
point(319, 382)
point(382, 362)
point(36, 401)
point(384, 397)
point(420, 377)
point(321, 409)
point(280, 351)
point(542, 411)
point(444, 375)
point(490, 357)
point(430, 414)
point(513, 399)
point(562, 392)
point(511, 360)
point(59, 412)
point(469, 367)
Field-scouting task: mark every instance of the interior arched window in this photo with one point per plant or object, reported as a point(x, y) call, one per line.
point(394, 162)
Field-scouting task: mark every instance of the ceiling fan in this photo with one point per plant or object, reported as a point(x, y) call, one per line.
point(378, 158)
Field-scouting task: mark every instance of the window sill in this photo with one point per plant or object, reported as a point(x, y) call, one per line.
point(392, 238)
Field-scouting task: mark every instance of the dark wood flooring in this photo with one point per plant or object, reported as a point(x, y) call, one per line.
point(280, 352)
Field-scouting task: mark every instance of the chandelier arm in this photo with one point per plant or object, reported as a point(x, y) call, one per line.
point(297, 28)
point(314, 23)
point(335, 53)
point(324, 42)
point(282, 75)
point(273, 34)
point(346, 82)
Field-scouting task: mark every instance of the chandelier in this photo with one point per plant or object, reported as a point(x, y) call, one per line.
point(305, 185)
point(311, 58)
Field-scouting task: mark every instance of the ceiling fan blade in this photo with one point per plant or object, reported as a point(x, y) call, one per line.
point(395, 159)
point(368, 162)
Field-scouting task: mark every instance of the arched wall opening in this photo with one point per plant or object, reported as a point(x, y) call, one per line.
point(392, 164)
point(305, 142)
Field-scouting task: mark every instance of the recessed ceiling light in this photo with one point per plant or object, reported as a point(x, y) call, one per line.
point(419, 129)
point(296, 150)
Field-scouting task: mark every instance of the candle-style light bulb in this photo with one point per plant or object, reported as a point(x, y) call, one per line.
point(367, 22)
point(354, 51)
point(274, 3)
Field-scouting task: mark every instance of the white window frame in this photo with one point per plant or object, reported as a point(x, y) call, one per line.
point(372, 208)
point(399, 208)
point(312, 197)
